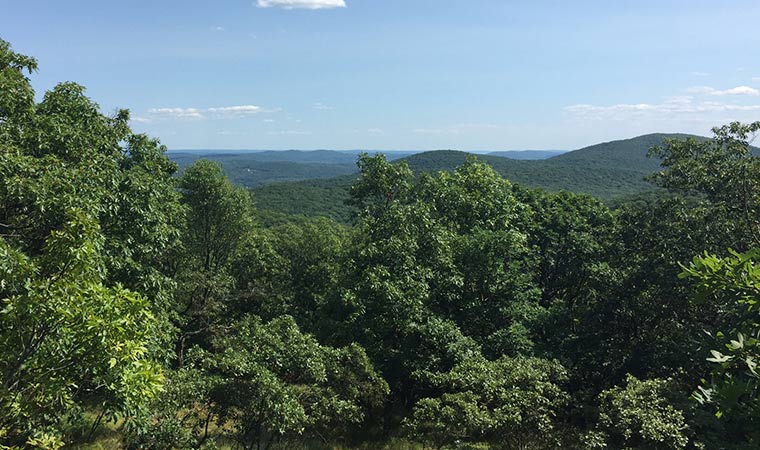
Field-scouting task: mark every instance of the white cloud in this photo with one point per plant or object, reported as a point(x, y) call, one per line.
point(699, 74)
point(289, 133)
point(220, 112)
point(322, 106)
point(667, 109)
point(139, 119)
point(217, 28)
point(739, 90)
point(237, 111)
point(375, 131)
point(301, 4)
point(177, 113)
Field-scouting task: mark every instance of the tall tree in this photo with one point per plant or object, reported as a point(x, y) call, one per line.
point(724, 170)
point(73, 331)
point(219, 218)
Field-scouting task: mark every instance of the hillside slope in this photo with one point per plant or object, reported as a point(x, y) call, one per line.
point(609, 171)
point(527, 154)
point(252, 169)
point(626, 153)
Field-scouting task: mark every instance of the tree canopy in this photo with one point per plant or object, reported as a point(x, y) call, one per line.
point(456, 310)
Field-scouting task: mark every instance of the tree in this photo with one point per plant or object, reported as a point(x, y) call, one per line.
point(272, 383)
point(71, 332)
point(733, 385)
point(482, 279)
point(724, 169)
point(573, 238)
point(639, 415)
point(294, 269)
point(219, 219)
point(510, 403)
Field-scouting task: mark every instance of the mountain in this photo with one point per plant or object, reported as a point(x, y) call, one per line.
point(256, 168)
point(609, 171)
point(626, 153)
point(246, 170)
point(300, 183)
point(605, 182)
point(253, 168)
point(527, 154)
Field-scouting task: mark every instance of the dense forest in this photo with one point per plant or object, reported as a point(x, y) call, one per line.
point(143, 308)
point(614, 172)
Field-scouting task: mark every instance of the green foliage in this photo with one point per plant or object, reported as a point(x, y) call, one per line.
point(293, 269)
point(573, 239)
point(639, 416)
point(379, 184)
point(510, 403)
point(219, 219)
point(325, 197)
point(493, 315)
point(441, 253)
point(723, 169)
point(608, 171)
point(74, 327)
point(733, 385)
point(272, 383)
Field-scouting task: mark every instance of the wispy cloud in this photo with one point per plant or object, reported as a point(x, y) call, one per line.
point(375, 131)
point(218, 28)
point(739, 90)
point(236, 111)
point(176, 113)
point(699, 74)
point(301, 4)
point(667, 108)
point(139, 119)
point(289, 133)
point(322, 106)
point(219, 112)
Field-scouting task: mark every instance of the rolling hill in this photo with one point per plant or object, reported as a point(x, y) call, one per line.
point(315, 183)
point(252, 168)
point(626, 153)
point(527, 154)
point(609, 171)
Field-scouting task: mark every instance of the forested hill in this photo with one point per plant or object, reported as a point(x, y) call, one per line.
point(527, 154)
point(625, 153)
point(617, 166)
point(251, 168)
point(610, 170)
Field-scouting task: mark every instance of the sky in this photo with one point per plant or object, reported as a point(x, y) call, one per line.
point(400, 74)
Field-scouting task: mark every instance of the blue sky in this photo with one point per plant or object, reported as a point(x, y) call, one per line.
point(400, 74)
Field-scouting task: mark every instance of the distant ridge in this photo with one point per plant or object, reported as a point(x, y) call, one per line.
point(624, 153)
point(316, 182)
point(609, 171)
point(527, 154)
